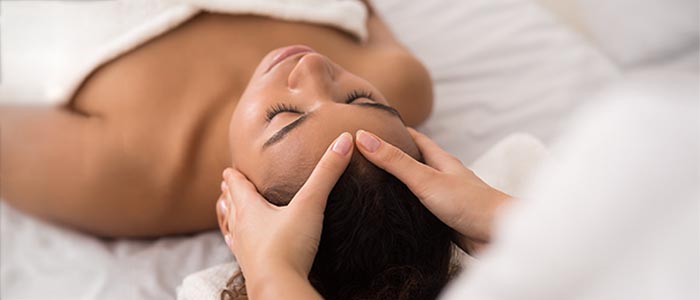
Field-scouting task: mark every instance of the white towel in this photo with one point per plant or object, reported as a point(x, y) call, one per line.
point(49, 47)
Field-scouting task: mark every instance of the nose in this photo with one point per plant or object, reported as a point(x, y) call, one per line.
point(313, 72)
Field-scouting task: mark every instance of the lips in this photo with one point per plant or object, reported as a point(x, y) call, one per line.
point(287, 52)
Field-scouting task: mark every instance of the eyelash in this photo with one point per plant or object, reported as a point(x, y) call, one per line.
point(357, 94)
point(282, 108)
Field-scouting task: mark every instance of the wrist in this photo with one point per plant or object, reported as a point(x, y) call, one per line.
point(495, 201)
point(261, 276)
point(479, 229)
point(279, 283)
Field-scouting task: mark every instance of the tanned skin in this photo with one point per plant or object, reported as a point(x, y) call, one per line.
point(139, 149)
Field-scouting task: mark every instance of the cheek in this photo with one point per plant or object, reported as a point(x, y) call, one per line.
point(239, 137)
point(247, 160)
point(245, 152)
point(247, 122)
point(251, 168)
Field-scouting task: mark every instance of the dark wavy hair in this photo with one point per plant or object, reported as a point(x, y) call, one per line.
point(378, 241)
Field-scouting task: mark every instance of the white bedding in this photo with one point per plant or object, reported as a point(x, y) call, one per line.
point(500, 66)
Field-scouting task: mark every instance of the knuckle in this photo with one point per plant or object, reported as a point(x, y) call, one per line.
point(328, 163)
point(454, 165)
point(426, 183)
point(422, 189)
point(454, 159)
point(325, 166)
point(393, 156)
point(466, 172)
point(223, 222)
point(237, 177)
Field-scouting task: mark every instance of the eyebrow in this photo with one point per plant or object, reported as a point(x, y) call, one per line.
point(280, 134)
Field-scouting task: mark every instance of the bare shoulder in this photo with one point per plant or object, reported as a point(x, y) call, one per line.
point(397, 72)
point(73, 169)
point(403, 79)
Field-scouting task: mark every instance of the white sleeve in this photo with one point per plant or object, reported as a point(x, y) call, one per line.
point(614, 215)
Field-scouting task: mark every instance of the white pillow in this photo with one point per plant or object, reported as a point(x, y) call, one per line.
point(499, 66)
point(638, 33)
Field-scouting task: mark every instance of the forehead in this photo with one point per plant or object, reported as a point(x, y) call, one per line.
point(293, 158)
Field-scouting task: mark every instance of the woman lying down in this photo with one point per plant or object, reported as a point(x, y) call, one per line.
point(378, 241)
point(138, 149)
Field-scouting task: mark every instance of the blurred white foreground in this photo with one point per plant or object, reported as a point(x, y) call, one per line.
point(614, 214)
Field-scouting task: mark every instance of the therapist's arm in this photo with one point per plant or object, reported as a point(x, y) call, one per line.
point(452, 192)
point(281, 284)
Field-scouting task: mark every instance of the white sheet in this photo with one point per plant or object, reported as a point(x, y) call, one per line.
point(500, 66)
point(42, 261)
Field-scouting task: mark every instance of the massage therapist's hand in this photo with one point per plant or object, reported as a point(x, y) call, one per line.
point(453, 193)
point(275, 246)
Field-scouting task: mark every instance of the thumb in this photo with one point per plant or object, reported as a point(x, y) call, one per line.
point(241, 191)
point(393, 160)
point(326, 173)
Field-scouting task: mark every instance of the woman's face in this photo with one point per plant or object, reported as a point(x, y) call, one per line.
point(296, 103)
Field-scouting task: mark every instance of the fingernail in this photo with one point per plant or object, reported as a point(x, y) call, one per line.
point(223, 187)
point(227, 239)
point(343, 144)
point(227, 173)
point(223, 208)
point(369, 142)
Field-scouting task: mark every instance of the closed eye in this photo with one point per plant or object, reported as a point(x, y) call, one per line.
point(358, 94)
point(280, 134)
point(281, 108)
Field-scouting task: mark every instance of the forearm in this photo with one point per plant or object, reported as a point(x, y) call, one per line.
point(282, 285)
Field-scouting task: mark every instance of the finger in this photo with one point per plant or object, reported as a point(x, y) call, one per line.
point(222, 214)
point(241, 191)
point(223, 217)
point(433, 155)
point(386, 156)
point(228, 202)
point(326, 173)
